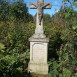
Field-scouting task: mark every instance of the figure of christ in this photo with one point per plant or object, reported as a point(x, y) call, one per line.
point(40, 6)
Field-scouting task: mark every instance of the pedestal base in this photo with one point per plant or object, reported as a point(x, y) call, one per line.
point(38, 35)
point(38, 55)
point(38, 68)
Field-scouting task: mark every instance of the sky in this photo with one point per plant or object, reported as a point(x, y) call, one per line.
point(56, 4)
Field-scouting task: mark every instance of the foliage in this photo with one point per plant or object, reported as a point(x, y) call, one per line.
point(14, 49)
point(17, 25)
point(4, 10)
point(16, 11)
point(65, 63)
point(14, 45)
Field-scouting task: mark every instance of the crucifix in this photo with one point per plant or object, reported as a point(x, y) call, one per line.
point(40, 5)
point(38, 41)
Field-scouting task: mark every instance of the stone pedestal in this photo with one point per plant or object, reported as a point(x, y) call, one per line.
point(38, 55)
point(39, 42)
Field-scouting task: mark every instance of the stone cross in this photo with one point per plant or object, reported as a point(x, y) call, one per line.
point(38, 41)
point(40, 5)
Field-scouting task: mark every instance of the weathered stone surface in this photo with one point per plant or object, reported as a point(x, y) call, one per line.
point(38, 35)
point(38, 68)
point(38, 52)
point(38, 75)
point(38, 41)
point(40, 5)
point(38, 57)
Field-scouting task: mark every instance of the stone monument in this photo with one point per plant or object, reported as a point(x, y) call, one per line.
point(38, 41)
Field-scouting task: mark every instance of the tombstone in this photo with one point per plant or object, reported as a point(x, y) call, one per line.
point(38, 41)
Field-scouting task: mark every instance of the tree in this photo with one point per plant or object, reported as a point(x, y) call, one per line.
point(4, 10)
point(14, 11)
point(19, 10)
point(47, 18)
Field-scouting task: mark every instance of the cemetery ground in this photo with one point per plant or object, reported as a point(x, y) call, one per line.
point(17, 26)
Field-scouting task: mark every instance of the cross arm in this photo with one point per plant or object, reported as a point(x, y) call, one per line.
point(33, 5)
point(47, 5)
